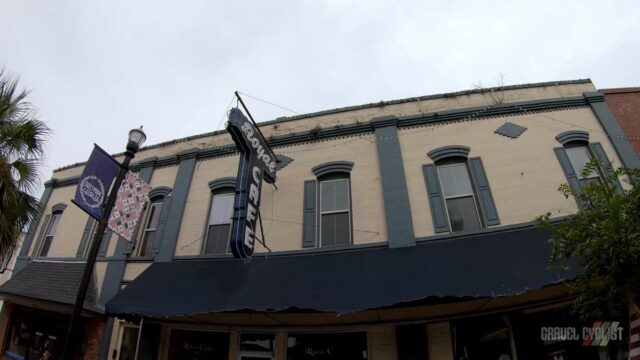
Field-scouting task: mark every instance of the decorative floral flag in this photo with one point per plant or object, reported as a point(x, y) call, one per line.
point(132, 195)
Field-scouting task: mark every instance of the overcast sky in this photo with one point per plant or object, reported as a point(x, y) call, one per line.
point(97, 69)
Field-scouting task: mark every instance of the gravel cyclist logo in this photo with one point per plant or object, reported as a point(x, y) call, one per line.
point(599, 334)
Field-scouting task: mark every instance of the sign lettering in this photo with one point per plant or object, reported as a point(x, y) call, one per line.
point(257, 162)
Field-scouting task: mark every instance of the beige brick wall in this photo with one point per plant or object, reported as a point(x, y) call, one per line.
point(524, 173)
point(133, 270)
point(282, 208)
point(67, 238)
point(381, 343)
point(439, 341)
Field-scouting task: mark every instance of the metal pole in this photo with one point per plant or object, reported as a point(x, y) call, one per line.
point(254, 122)
point(74, 323)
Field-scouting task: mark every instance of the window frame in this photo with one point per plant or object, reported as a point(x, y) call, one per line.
point(142, 236)
point(56, 215)
point(457, 162)
point(587, 148)
point(334, 177)
point(220, 191)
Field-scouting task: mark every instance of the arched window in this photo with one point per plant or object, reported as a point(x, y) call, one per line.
point(218, 228)
point(333, 198)
point(147, 239)
point(459, 193)
point(49, 229)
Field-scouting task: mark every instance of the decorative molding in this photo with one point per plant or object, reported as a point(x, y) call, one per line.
point(384, 121)
point(225, 182)
point(572, 135)
point(188, 154)
point(445, 152)
point(283, 161)
point(332, 167)
point(160, 191)
point(58, 208)
point(511, 130)
point(593, 97)
point(477, 113)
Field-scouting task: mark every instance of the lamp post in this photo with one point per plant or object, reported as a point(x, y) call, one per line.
point(136, 139)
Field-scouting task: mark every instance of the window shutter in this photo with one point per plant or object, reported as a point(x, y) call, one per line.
point(569, 173)
point(436, 199)
point(309, 215)
point(43, 231)
point(104, 244)
point(485, 198)
point(162, 224)
point(86, 236)
point(605, 164)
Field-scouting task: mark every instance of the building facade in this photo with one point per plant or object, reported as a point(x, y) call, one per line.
point(396, 230)
point(625, 106)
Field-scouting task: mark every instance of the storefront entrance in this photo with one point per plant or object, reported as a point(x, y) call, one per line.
point(35, 334)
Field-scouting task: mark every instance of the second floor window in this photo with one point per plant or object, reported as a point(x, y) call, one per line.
point(49, 234)
point(219, 223)
point(579, 157)
point(459, 197)
point(148, 236)
point(335, 217)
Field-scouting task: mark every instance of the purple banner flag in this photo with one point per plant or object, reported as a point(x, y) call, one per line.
point(95, 182)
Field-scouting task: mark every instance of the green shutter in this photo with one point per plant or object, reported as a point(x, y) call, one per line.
point(43, 231)
point(104, 244)
point(86, 236)
point(569, 173)
point(605, 164)
point(436, 199)
point(309, 215)
point(162, 224)
point(485, 198)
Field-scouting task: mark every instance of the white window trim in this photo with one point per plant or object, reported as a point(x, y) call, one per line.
point(46, 234)
point(145, 229)
point(347, 211)
point(208, 224)
point(472, 194)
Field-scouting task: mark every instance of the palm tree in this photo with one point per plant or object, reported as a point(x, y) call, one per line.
point(22, 138)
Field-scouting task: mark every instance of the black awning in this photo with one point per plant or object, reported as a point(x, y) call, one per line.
point(55, 282)
point(488, 265)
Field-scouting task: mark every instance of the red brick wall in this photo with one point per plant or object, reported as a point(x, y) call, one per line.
point(93, 337)
point(625, 105)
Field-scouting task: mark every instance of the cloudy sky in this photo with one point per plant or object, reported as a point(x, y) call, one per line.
point(97, 69)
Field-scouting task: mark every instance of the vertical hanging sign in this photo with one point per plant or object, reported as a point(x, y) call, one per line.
point(257, 162)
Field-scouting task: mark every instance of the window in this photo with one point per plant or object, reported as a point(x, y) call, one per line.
point(148, 236)
point(335, 217)
point(579, 156)
point(459, 197)
point(327, 206)
point(458, 189)
point(219, 222)
point(49, 234)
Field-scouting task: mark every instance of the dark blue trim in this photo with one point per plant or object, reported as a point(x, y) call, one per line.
point(221, 183)
point(159, 192)
point(394, 185)
point(175, 212)
point(58, 208)
point(332, 167)
point(572, 135)
point(445, 152)
point(616, 135)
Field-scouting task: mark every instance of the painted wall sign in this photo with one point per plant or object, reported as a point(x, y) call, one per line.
point(257, 162)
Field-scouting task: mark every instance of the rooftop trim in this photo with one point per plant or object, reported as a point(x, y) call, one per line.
point(355, 107)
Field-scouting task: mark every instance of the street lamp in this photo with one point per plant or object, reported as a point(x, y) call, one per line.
point(137, 137)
